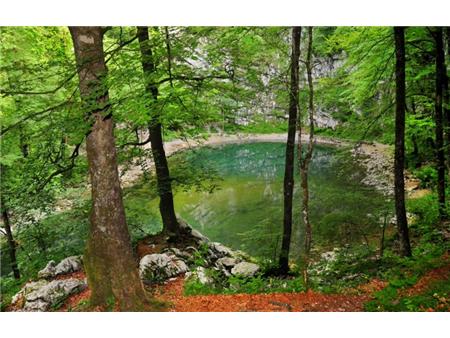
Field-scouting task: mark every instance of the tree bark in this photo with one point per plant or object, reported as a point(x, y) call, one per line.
point(303, 162)
point(290, 150)
point(11, 242)
point(438, 109)
point(109, 263)
point(447, 99)
point(166, 205)
point(399, 162)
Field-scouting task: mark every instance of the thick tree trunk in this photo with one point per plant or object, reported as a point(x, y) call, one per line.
point(110, 266)
point(290, 152)
point(166, 205)
point(11, 242)
point(399, 162)
point(440, 152)
point(303, 162)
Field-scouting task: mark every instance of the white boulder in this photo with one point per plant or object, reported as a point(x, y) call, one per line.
point(245, 269)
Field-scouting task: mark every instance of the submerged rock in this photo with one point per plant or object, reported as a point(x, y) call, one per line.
point(42, 295)
point(159, 267)
point(245, 269)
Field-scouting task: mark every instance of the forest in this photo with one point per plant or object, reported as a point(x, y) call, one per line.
point(231, 168)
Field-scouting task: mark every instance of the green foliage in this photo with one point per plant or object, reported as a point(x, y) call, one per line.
point(9, 287)
point(435, 297)
point(427, 175)
point(249, 285)
point(259, 127)
point(426, 209)
point(200, 256)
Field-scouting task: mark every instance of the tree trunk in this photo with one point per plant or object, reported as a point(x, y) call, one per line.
point(399, 162)
point(447, 99)
point(290, 150)
point(303, 162)
point(11, 242)
point(383, 231)
point(110, 266)
point(415, 153)
point(440, 152)
point(166, 205)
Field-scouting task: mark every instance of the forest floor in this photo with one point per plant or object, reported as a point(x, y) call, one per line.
point(352, 300)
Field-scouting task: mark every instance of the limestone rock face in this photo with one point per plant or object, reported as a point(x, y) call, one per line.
point(159, 267)
point(245, 269)
point(42, 295)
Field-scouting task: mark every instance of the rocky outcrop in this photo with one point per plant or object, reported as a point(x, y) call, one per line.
point(209, 260)
point(43, 295)
point(67, 265)
point(159, 267)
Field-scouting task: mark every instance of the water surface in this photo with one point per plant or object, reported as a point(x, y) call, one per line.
point(246, 211)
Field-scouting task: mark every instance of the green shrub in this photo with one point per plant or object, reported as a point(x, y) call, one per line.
point(427, 176)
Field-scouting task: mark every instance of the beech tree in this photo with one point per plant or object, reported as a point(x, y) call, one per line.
point(9, 236)
point(399, 161)
point(303, 162)
point(110, 266)
point(166, 205)
point(438, 117)
point(290, 152)
point(446, 97)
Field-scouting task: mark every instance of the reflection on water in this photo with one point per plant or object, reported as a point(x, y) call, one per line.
point(246, 212)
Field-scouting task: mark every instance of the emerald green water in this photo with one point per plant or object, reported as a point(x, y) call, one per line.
point(246, 210)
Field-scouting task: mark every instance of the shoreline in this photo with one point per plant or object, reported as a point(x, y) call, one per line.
point(133, 172)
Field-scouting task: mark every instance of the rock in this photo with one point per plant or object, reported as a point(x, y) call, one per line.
point(245, 269)
point(199, 237)
point(201, 275)
point(218, 250)
point(48, 271)
point(159, 267)
point(42, 295)
point(67, 265)
point(226, 262)
point(184, 225)
point(183, 255)
point(28, 288)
